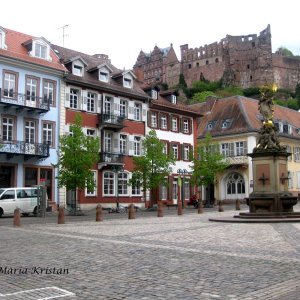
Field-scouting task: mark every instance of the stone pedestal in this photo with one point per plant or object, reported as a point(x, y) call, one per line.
point(270, 178)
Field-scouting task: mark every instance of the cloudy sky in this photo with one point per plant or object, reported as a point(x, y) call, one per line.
point(121, 28)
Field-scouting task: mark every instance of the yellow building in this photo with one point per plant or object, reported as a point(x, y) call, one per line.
point(234, 123)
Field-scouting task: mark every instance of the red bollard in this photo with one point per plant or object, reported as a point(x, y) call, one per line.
point(131, 212)
point(61, 216)
point(160, 212)
point(179, 208)
point(17, 217)
point(237, 204)
point(99, 213)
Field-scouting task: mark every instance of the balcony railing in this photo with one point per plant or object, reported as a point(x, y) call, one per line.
point(237, 160)
point(18, 100)
point(110, 120)
point(111, 157)
point(12, 148)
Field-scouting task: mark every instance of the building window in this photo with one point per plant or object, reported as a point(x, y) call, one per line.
point(123, 108)
point(108, 142)
point(74, 98)
point(122, 183)
point(91, 133)
point(154, 94)
point(48, 133)
point(107, 105)
point(186, 126)
point(137, 112)
point(77, 70)
point(163, 122)
point(235, 184)
point(173, 99)
point(49, 92)
point(289, 150)
point(163, 192)
point(239, 148)
point(10, 85)
point(175, 151)
point(127, 83)
point(109, 184)
point(123, 144)
point(92, 192)
point(186, 152)
point(297, 154)
point(103, 76)
point(153, 120)
point(136, 190)
point(31, 89)
point(91, 98)
point(225, 149)
point(137, 145)
point(186, 190)
point(174, 124)
point(30, 131)
point(165, 148)
point(40, 51)
point(8, 126)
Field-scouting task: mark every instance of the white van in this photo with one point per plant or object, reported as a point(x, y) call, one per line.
point(23, 198)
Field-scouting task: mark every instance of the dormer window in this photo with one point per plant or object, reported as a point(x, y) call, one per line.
point(40, 51)
point(154, 94)
point(103, 76)
point(127, 82)
point(2, 38)
point(226, 123)
point(77, 70)
point(173, 99)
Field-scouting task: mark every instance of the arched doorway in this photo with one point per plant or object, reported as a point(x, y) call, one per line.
point(235, 186)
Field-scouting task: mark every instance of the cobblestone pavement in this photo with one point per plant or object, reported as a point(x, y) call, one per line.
point(174, 257)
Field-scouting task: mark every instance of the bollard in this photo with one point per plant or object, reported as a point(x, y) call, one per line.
point(17, 217)
point(131, 212)
point(237, 204)
point(61, 216)
point(99, 213)
point(221, 209)
point(160, 212)
point(179, 208)
point(200, 207)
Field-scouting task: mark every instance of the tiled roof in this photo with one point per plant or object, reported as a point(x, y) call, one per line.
point(90, 78)
point(244, 117)
point(16, 50)
point(162, 103)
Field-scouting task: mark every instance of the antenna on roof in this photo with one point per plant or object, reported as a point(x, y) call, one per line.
point(64, 35)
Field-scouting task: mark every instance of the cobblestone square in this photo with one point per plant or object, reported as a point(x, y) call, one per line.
point(174, 257)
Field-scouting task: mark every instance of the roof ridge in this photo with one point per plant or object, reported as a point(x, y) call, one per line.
point(245, 114)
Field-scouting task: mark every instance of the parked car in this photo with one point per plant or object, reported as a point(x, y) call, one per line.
point(26, 199)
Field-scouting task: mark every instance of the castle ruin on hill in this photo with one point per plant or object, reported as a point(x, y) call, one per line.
point(245, 61)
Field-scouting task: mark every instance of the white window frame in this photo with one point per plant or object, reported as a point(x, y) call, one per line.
point(123, 144)
point(40, 50)
point(174, 123)
point(91, 102)
point(48, 132)
point(8, 129)
point(239, 148)
point(10, 81)
point(108, 140)
point(91, 132)
point(77, 70)
point(123, 108)
point(103, 76)
point(137, 144)
point(186, 126)
point(127, 82)
point(164, 192)
point(30, 131)
point(109, 183)
point(186, 152)
point(74, 98)
point(163, 122)
point(123, 178)
point(225, 149)
point(153, 120)
point(137, 112)
point(154, 94)
point(173, 99)
point(94, 192)
point(48, 92)
point(175, 150)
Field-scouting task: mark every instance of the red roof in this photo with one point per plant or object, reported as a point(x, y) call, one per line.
point(16, 50)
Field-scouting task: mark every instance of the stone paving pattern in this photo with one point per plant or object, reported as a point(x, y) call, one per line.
point(174, 257)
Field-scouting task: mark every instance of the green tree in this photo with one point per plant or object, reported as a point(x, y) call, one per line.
point(201, 96)
point(284, 51)
point(207, 163)
point(151, 169)
point(77, 155)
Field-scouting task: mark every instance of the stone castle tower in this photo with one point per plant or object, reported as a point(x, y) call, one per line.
point(245, 61)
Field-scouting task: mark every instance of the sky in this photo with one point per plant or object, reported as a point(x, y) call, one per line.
point(121, 28)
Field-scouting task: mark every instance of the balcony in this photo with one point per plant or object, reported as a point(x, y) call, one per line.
point(237, 161)
point(110, 159)
point(23, 102)
point(28, 150)
point(111, 121)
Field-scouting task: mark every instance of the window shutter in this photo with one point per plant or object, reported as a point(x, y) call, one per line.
point(245, 147)
point(130, 110)
point(67, 129)
point(131, 145)
point(180, 125)
point(116, 106)
point(294, 150)
point(170, 188)
point(280, 127)
point(67, 100)
point(84, 101)
point(190, 126)
point(144, 112)
point(181, 147)
point(231, 149)
point(116, 138)
point(99, 103)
